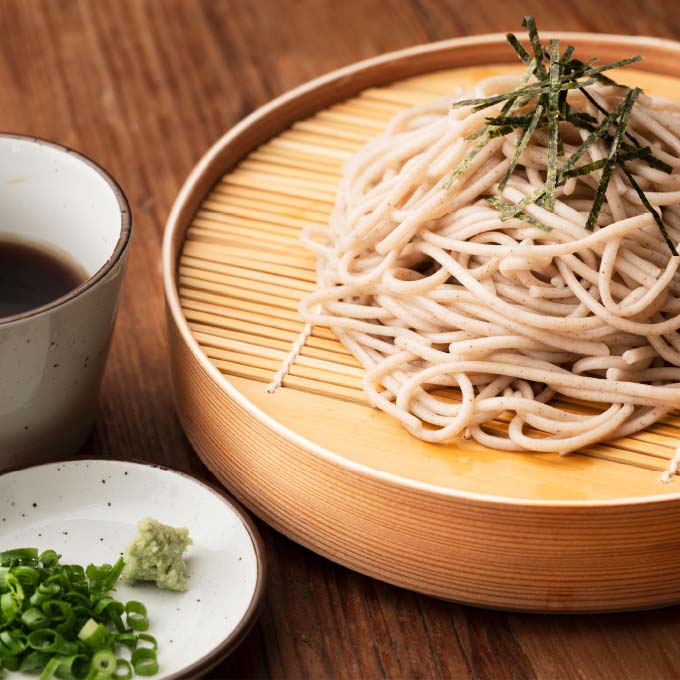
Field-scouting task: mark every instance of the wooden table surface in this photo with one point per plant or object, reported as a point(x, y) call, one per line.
point(144, 87)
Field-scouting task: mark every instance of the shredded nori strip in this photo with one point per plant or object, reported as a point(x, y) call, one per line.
point(529, 91)
point(521, 145)
point(509, 212)
point(465, 163)
point(651, 160)
point(530, 24)
point(485, 133)
point(512, 121)
point(586, 169)
point(596, 134)
point(547, 99)
point(518, 47)
point(651, 209)
point(624, 117)
point(553, 125)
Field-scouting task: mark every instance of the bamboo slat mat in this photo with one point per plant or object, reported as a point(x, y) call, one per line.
point(242, 271)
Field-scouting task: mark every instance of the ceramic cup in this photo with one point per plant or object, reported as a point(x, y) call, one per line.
point(52, 357)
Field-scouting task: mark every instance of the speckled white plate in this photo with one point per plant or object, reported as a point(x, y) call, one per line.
point(87, 510)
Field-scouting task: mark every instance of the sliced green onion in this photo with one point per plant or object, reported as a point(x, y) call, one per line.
point(45, 591)
point(136, 615)
point(113, 610)
point(49, 558)
point(50, 669)
point(27, 576)
point(82, 614)
point(10, 607)
point(11, 663)
point(150, 639)
point(9, 583)
point(34, 661)
point(128, 640)
point(12, 644)
point(33, 618)
point(44, 640)
point(101, 605)
point(114, 574)
point(123, 670)
point(93, 634)
point(104, 661)
point(60, 614)
point(75, 572)
point(76, 666)
point(74, 597)
point(18, 556)
point(144, 661)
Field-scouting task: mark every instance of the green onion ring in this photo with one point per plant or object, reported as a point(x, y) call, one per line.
point(144, 661)
point(136, 616)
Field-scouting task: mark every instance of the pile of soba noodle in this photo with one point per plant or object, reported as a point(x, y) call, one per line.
point(426, 285)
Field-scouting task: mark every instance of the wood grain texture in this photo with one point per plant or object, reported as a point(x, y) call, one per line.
point(144, 88)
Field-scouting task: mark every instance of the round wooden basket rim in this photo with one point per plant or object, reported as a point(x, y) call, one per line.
point(175, 223)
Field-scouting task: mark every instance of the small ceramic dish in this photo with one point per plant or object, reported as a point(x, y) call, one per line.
point(87, 510)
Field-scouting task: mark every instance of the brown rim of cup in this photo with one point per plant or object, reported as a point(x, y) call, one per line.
point(121, 245)
point(207, 662)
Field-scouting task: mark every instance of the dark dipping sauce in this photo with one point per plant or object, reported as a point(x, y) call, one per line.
point(33, 275)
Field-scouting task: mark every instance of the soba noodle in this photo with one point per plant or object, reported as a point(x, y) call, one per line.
point(426, 285)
